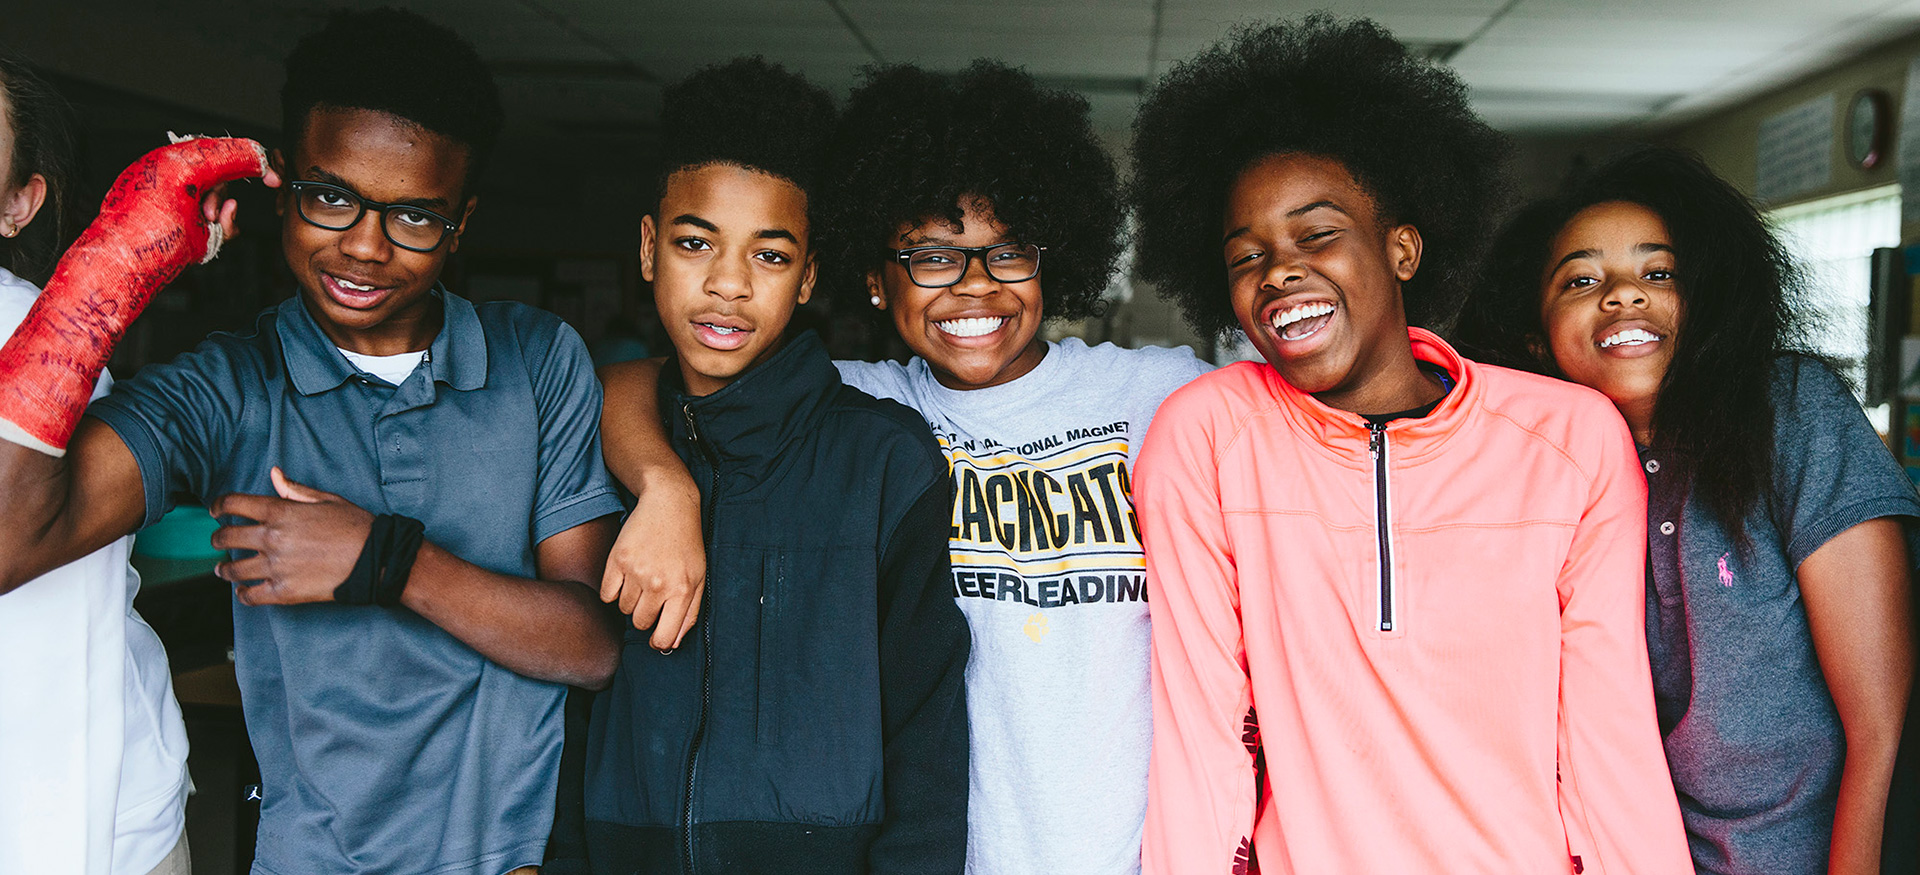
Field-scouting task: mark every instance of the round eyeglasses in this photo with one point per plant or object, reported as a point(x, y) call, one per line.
point(328, 206)
point(937, 267)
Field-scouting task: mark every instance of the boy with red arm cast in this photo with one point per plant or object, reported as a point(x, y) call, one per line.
point(1397, 610)
point(401, 640)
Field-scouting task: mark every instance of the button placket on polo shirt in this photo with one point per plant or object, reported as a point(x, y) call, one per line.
point(399, 434)
point(1663, 504)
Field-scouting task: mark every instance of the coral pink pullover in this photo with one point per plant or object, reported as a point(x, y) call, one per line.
point(1481, 706)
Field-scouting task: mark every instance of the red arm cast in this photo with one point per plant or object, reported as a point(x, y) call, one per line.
point(150, 228)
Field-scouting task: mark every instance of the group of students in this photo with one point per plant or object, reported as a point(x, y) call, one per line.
point(1374, 604)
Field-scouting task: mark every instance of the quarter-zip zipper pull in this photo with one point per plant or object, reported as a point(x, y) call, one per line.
point(1377, 448)
point(693, 431)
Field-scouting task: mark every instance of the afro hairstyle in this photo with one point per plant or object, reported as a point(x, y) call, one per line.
point(748, 113)
point(446, 88)
point(1343, 90)
point(915, 144)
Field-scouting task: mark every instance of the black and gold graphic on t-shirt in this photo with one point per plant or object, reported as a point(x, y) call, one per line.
point(1049, 523)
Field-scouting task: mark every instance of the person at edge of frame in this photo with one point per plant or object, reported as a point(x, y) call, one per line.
point(1779, 585)
point(85, 689)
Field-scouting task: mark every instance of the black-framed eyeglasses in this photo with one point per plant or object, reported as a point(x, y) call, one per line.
point(324, 205)
point(937, 267)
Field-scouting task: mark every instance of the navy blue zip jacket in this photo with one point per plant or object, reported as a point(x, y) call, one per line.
point(814, 720)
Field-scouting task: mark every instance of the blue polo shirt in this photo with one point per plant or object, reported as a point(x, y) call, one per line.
point(1753, 740)
point(385, 745)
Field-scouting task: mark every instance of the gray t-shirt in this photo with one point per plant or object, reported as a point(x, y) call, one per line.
point(385, 744)
point(1048, 569)
point(1752, 736)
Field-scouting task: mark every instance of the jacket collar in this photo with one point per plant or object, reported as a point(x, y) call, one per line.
point(756, 416)
point(457, 356)
point(1345, 435)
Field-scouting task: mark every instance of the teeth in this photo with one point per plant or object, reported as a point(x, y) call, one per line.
point(977, 326)
point(1304, 311)
point(354, 286)
point(1629, 337)
point(721, 329)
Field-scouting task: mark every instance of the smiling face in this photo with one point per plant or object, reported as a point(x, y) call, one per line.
point(368, 295)
point(1314, 274)
point(729, 261)
point(1610, 306)
point(977, 333)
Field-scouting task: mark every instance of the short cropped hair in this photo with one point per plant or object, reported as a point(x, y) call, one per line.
point(396, 62)
point(748, 113)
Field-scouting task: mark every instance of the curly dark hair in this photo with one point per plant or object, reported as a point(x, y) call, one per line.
point(915, 144)
point(43, 143)
point(1736, 285)
point(1343, 90)
point(443, 87)
point(750, 113)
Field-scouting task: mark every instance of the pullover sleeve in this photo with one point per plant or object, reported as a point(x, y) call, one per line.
point(923, 663)
point(1616, 796)
point(1202, 790)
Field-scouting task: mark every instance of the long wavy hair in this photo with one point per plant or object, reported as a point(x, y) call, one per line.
point(1736, 285)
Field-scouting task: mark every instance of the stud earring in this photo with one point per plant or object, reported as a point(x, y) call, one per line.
point(875, 298)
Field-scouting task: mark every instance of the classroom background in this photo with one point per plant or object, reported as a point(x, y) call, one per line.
point(1812, 108)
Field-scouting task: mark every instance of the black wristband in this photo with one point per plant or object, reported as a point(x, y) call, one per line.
point(380, 574)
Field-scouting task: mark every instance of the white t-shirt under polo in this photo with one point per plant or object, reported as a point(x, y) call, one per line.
point(392, 368)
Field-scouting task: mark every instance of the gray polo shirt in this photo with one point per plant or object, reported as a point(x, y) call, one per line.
point(1752, 736)
point(385, 745)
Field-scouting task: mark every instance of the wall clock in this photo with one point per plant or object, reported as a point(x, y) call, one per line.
point(1868, 128)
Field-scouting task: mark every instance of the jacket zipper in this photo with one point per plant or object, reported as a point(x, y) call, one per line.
point(706, 644)
point(1377, 446)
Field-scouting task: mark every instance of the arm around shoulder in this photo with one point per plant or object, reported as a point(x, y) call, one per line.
point(658, 569)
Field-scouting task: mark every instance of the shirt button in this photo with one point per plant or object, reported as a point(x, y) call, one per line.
point(1666, 528)
point(1653, 466)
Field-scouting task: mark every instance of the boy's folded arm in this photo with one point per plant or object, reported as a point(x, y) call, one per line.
point(551, 627)
point(657, 571)
point(923, 663)
point(304, 542)
point(60, 509)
